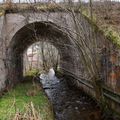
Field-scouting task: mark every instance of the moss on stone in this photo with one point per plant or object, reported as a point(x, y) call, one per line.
point(108, 32)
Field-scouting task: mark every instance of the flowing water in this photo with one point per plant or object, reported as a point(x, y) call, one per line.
point(69, 104)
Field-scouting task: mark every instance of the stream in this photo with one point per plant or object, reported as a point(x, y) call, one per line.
point(69, 104)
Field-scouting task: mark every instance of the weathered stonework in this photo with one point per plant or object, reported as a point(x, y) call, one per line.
point(19, 30)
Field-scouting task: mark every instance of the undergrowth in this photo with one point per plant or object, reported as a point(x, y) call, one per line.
point(25, 94)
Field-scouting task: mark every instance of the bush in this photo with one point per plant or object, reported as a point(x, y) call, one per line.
point(33, 72)
point(112, 35)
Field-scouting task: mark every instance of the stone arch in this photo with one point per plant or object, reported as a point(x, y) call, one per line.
point(35, 32)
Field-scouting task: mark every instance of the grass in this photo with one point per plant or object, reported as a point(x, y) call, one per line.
point(19, 97)
point(32, 72)
point(107, 29)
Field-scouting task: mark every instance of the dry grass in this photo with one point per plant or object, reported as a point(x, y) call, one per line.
point(30, 113)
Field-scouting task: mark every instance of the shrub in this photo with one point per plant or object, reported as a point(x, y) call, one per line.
point(33, 72)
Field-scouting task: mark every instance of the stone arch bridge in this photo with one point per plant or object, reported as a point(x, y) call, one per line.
point(18, 30)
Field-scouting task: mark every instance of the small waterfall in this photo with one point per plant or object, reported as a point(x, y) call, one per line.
point(51, 74)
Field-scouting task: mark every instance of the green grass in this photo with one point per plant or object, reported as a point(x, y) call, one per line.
point(19, 97)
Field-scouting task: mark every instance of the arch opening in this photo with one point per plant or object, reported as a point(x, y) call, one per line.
point(36, 32)
point(40, 57)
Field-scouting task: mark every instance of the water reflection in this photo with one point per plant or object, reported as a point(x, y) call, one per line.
point(49, 76)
